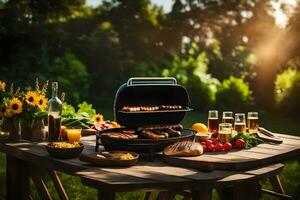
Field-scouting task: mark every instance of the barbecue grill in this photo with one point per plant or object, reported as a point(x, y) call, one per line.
point(145, 92)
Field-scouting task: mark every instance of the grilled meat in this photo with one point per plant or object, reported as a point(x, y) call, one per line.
point(176, 127)
point(173, 133)
point(152, 135)
point(150, 108)
point(119, 135)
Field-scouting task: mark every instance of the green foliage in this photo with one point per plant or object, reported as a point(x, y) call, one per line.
point(191, 71)
point(233, 93)
point(68, 110)
point(72, 76)
point(287, 91)
point(83, 118)
point(85, 108)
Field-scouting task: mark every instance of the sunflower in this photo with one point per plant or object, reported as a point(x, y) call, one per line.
point(15, 106)
point(42, 102)
point(98, 118)
point(31, 98)
point(2, 86)
point(5, 112)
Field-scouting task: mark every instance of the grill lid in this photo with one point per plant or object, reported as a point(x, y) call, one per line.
point(150, 92)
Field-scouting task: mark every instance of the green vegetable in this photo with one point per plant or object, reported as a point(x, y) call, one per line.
point(68, 110)
point(250, 140)
point(84, 107)
point(77, 122)
point(80, 119)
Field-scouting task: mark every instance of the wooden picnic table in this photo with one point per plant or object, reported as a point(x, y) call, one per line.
point(25, 159)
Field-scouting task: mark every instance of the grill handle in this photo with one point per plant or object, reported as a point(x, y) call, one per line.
point(152, 81)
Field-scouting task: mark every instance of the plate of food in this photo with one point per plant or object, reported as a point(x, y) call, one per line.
point(64, 149)
point(111, 158)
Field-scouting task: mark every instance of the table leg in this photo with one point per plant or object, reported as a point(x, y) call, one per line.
point(17, 179)
point(276, 184)
point(244, 191)
point(106, 195)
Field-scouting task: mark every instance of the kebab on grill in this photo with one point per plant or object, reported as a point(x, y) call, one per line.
point(150, 108)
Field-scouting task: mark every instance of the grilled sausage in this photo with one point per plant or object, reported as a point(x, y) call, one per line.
point(176, 127)
point(173, 133)
point(151, 135)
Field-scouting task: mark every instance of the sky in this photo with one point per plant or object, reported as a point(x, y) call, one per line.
point(281, 18)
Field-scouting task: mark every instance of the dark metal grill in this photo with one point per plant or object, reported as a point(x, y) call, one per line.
point(145, 92)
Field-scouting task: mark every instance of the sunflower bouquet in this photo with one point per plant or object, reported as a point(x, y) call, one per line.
point(18, 106)
point(11, 108)
point(34, 106)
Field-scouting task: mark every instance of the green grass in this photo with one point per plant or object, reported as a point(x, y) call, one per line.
point(290, 176)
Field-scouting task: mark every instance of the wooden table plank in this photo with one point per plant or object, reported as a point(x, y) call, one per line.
point(260, 155)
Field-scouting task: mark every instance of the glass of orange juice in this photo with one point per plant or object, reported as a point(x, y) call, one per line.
point(74, 134)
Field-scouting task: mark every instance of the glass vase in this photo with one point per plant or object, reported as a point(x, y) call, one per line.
point(34, 130)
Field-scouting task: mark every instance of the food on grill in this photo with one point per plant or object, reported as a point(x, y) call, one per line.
point(120, 135)
point(129, 131)
point(173, 133)
point(167, 130)
point(151, 108)
point(184, 148)
point(153, 135)
point(177, 127)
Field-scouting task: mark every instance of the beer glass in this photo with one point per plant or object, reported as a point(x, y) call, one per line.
point(225, 132)
point(252, 122)
point(213, 123)
point(240, 122)
point(227, 117)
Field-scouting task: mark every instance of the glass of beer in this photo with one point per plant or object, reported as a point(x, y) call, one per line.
point(213, 122)
point(252, 122)
point(227, 117)
point(225, 132)
point(240, 122)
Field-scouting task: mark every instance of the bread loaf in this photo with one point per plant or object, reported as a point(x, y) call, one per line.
point(184, 148)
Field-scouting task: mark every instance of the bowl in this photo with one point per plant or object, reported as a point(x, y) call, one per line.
point(72, 152)
point(202, 136)
point(110, 159)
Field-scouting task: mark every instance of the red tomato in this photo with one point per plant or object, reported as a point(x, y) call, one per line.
point(240, 144)
point(204, 147)
point(218, 147)
point(210, 147)
point(208, 142)
point(227, 146)
point(203, 143)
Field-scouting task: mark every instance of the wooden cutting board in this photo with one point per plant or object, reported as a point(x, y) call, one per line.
point(261, 155)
